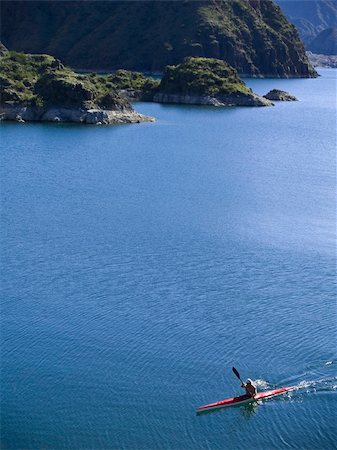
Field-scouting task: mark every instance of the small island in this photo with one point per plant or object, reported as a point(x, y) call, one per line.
point(278, 95)
point(205, 81)
point(41, 88)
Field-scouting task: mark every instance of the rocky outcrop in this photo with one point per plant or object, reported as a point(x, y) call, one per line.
point(251, 35)
point(205, 81)
point(41, 88)
point(278, 95)
point(249, 99)
point(77, 115)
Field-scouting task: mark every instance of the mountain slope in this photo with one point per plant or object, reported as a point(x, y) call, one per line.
point(310, 17)
point(251, 35)
point(325, 42)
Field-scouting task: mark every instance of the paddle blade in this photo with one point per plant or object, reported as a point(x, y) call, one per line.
point(236, 373)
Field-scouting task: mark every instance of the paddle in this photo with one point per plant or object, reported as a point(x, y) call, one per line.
point(237, 374)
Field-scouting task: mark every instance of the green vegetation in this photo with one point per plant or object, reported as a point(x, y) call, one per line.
point(42, 80)
point(19, 73)
point(124, 79)
point(39, 80)
point(134, 81)
point(252, 36)
point(204, 76)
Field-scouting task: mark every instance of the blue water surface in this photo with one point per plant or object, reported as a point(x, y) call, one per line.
point(141, 262)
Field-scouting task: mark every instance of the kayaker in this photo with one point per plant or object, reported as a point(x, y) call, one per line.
point(250, 388)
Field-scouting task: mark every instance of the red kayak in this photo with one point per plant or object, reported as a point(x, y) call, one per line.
point(243, 399)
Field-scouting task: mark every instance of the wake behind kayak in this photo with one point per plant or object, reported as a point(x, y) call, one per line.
point(244, 399)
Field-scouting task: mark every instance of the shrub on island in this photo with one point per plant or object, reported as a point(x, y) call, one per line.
point(40, 87)
point(205, 81)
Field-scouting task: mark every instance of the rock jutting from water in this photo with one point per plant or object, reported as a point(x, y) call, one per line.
point(205, 81)
point(41, 88)
point(278, 95)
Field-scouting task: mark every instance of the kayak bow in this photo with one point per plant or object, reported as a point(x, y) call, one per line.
point(243, 399)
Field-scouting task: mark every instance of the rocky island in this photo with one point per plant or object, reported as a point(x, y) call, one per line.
point(278, 95)
point(41, 88)
point(205, 81)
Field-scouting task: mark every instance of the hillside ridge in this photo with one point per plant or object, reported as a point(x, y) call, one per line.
point(253, 36)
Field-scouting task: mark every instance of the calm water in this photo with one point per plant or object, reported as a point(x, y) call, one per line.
point(141, 262)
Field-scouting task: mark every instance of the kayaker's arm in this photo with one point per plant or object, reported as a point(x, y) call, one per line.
point(250, 388)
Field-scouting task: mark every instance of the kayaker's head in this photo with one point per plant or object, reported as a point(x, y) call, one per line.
point(249, 381)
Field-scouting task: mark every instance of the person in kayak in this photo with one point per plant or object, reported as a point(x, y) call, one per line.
point(250, 388)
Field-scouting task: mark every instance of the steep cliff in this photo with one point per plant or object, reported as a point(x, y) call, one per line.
point(251, 35)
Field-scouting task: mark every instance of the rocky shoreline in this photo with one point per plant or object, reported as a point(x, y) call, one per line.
point(319, 60)
point(224, 100)
point(57, 114)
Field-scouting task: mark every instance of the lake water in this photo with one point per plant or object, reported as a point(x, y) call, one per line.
point(141, 262)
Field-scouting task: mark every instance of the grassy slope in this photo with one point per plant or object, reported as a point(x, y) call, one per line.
point(19, 73)
point(42, 79)
point(203, 76)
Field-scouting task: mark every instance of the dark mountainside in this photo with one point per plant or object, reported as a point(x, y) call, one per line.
point(251, 35)
point(325, 42)
point(310, 17)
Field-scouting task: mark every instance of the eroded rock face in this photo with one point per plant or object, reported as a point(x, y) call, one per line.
point(278, 95)
point(224, 100)
point(77, 115)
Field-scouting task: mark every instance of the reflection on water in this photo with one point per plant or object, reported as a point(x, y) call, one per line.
point(250, 409)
